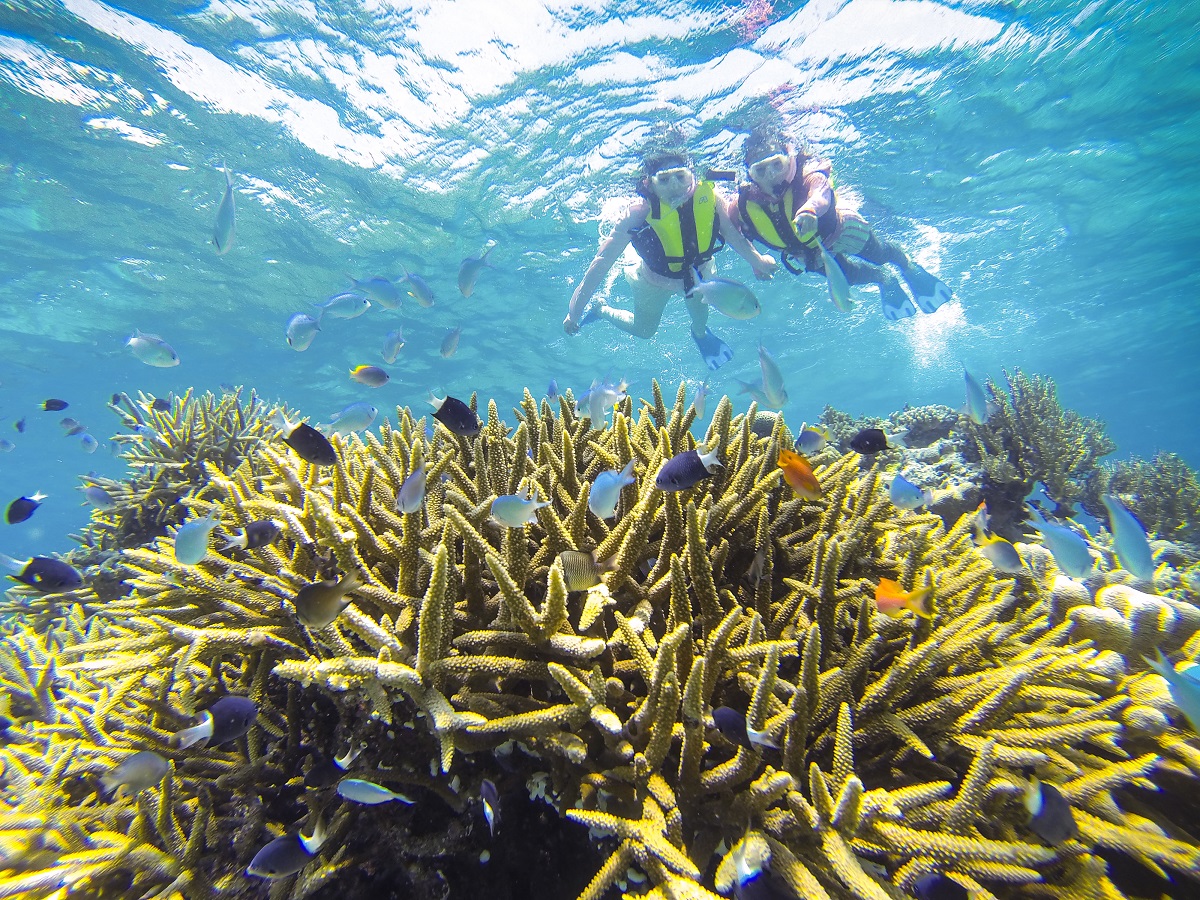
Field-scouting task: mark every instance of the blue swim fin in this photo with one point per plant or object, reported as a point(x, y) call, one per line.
point(928, 292)
point(714, 350)
point(896, 304)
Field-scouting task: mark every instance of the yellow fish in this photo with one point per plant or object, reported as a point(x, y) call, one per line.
point(892, 600)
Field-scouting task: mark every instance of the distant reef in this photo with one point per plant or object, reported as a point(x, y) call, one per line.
point(723, 708)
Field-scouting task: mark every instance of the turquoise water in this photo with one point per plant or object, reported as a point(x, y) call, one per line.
point(1039, 157)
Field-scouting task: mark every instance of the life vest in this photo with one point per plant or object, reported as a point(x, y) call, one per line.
point(675, 242)
point(768, 219)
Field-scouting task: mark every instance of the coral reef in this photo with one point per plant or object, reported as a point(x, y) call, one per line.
point(1164, 493)
point(889, 747)
point(1029, 438)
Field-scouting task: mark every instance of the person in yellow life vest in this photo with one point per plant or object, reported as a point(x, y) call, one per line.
point(789, 205)
point(675, 225)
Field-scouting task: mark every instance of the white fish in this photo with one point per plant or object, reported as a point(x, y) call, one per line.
point(774, 392)
point(379, 289)
point(517, 510)
point(418, 289)
point(223, 230)
point(599, 398)
point(142, 770)
point(839, 287)
point(301, 329)
point(354, 417)
point(152, 350)
point(346, 305)
point(1129, 538)
point(367, 792)
point(191, 538)
point(976, 408)
point(606, 491)
point(728, 297)
point(393, 343)
point(1070, 551)
point(700, 401)
point(412, 492)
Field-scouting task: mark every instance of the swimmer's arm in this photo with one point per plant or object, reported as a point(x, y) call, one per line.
point(763, 265)
point(607, 255)
point(820, 192)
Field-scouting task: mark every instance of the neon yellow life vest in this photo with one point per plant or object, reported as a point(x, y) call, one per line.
point(662, 242)
point(761, 211)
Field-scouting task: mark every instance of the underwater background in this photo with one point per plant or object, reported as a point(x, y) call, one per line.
point(1038, 157)
point(768, 680)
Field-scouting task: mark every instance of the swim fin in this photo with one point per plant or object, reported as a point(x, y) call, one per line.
point(714, 350)
point(929, 292)
point(896, 304)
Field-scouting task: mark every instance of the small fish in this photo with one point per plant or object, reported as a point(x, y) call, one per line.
point(54, 405)
point(976, 407)
point(799, 475)
point(379, 289)
point(346, 305)
point(115, 400)
point(301, 330)
point(50, 576)
point(326, 773)
point(868, 441)
point(226, 720)
point(223, 230)
point(490, 798)
point(1184, 686)
point(7, 446)
point(367, 792)
point(892, 600)
point(728, 297)
point(98, 497)
point(906, 495)
point(393, 343)
point(88, 443)
point(732, 724)
point(599, 398)
point(450, 342)
point(455, 415)
point(254, 535)
point(687, 469)
point(152, 350)
point(287, 854)
point(700, 401)
point(310, 445)
point(418, 289)
point(469, 269)
point(411, 496)
point(371, 376)
point(750, 875)
point(839, 286)
point(583, 570)
point(552, 389)
point(606, 491)
point(758, 566)
point(1050, 813)
point(813, 439)
point(934, 886)
point(142, 770)
point(191, 538)
point(23, 507)
point(160, 405)
point(1129, 539)
point(517, 510)
point(20, 425)
point(1000, 553)
point(774, 393)
point(1071, 553)
point(71, 426)
point(319, 603)
point(352, 418)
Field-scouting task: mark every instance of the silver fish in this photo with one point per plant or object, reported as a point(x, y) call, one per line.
point(152, 350)
point(224, 229)
point(301, 329)
point(469, 269)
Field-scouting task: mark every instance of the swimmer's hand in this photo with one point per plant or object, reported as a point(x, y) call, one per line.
point(765, 267)
point(806, 226)
point(570, 326)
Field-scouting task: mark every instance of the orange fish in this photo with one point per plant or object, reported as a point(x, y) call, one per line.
point(799, 474)
point(891, 599)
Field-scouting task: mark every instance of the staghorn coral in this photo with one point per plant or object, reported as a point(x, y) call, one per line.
point(903, 745)
point(1029, 438)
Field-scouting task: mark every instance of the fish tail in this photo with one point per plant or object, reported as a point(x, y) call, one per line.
point(238, 542)
point(606, 565)
point(921, 603)
point(189, 737)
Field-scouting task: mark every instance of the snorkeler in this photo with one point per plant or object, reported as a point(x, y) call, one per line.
point(675, 225)
point(789, 205)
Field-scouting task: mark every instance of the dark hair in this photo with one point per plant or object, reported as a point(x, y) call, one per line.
point(764, 141)
point(660, 158)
